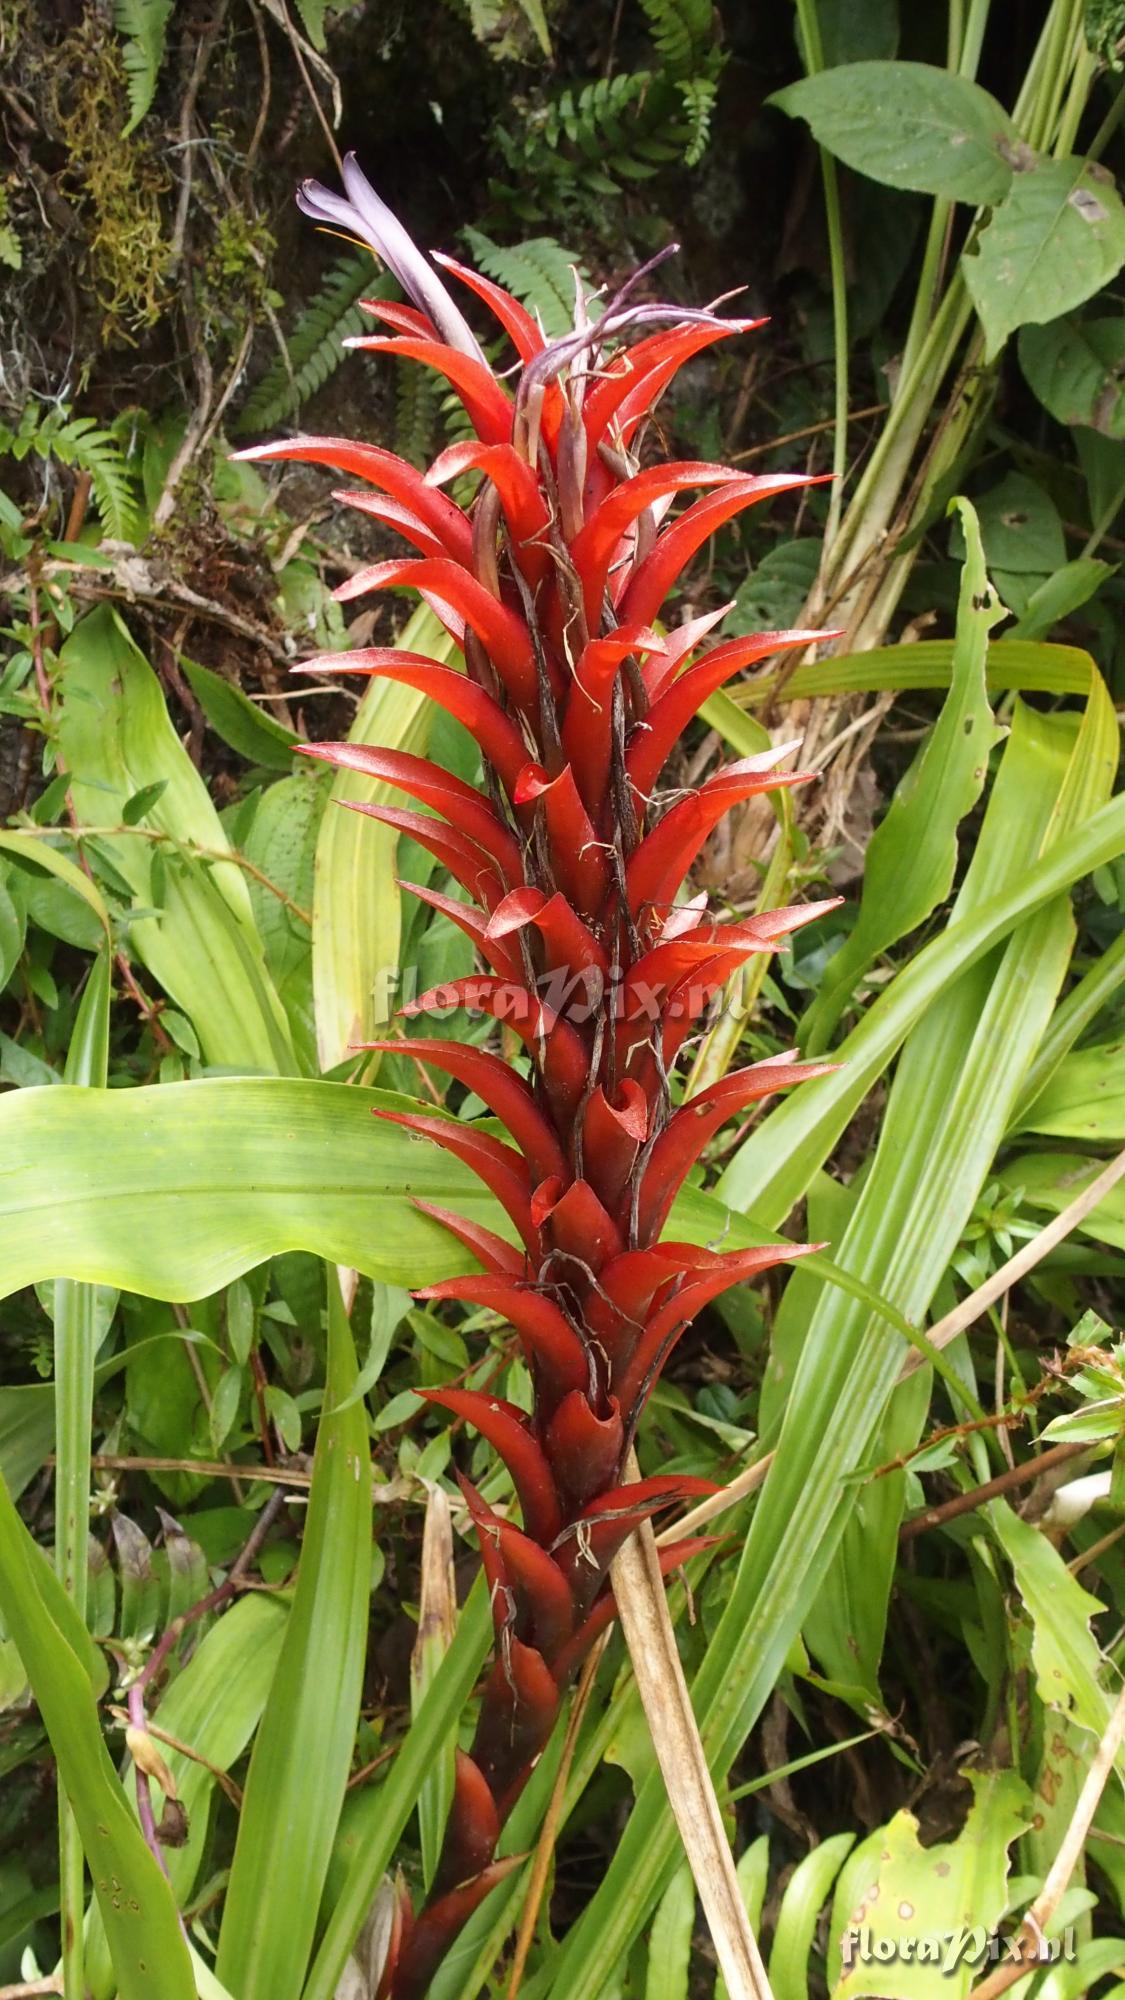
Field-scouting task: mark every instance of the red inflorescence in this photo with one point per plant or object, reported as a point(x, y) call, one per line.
point(550, 581)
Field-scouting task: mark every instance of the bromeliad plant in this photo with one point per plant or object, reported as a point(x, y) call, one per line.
point(571, 861)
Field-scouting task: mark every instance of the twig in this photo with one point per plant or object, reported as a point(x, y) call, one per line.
point(1012, 1476)
point(939, 1336)
point(160, 837)
point(222, 1778)
point(548, 1832)
point(267, 82)
point(1017, 1267)
point(1096, 1549)
point(299, 45)
point(206, 1468)
point(28, 1989)
point(806, 430)
point(205, 48)
point(1039, 1915)
point(213, 1600)
point(736, 1489)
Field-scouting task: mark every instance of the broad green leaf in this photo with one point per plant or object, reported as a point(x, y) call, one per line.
point(1085, 1098)
point(894, 1889)
point(1052, 1181)
point(912, 855)
point(766, 1180)
point(186, 1209)
point(909, 125)
point(1020, 529)
point(337, 1182)
point(1075, 368)
point(116, 737)
point(252, 731)
point(357, 919)
point(1057, 238)
point(136, 1904)
point(1063, 1650)
point(303, 1747)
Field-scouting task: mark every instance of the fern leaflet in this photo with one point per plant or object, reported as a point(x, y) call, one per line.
point(144, 25)
point(80, 442)
point(315, 346)
point(684, 34)
point(539, 271)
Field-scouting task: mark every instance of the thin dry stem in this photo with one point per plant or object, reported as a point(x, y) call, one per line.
point(548, 1833)
point(642, 1607)
point(1017, 1267)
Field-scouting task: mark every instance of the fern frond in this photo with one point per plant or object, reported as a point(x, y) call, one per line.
point(539, 271)
point(315, 345)
point(417, 397)
point(83, 444)
point(495, 27)
point(684, 34)
point(144, 25)
point(698, 94)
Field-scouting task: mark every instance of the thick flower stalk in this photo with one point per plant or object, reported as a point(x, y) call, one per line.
point(572, 864)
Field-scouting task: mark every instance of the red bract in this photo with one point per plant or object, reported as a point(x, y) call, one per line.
point(550, 582)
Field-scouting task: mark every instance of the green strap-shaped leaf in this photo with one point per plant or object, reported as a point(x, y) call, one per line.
point(357, 903)
point(76, 1328)
point(1013, 665)
point(912, 855)
point(214, 1704)
point(767, 1179)
point(805, 1894)
point(145, 1940)
point(303, 1747)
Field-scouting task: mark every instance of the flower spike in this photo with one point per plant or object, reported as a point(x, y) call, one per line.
point(569, 865)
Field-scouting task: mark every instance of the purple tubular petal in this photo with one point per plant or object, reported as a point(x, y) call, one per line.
point(365, 214)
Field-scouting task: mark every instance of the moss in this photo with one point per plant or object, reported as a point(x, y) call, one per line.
point(119, 182)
